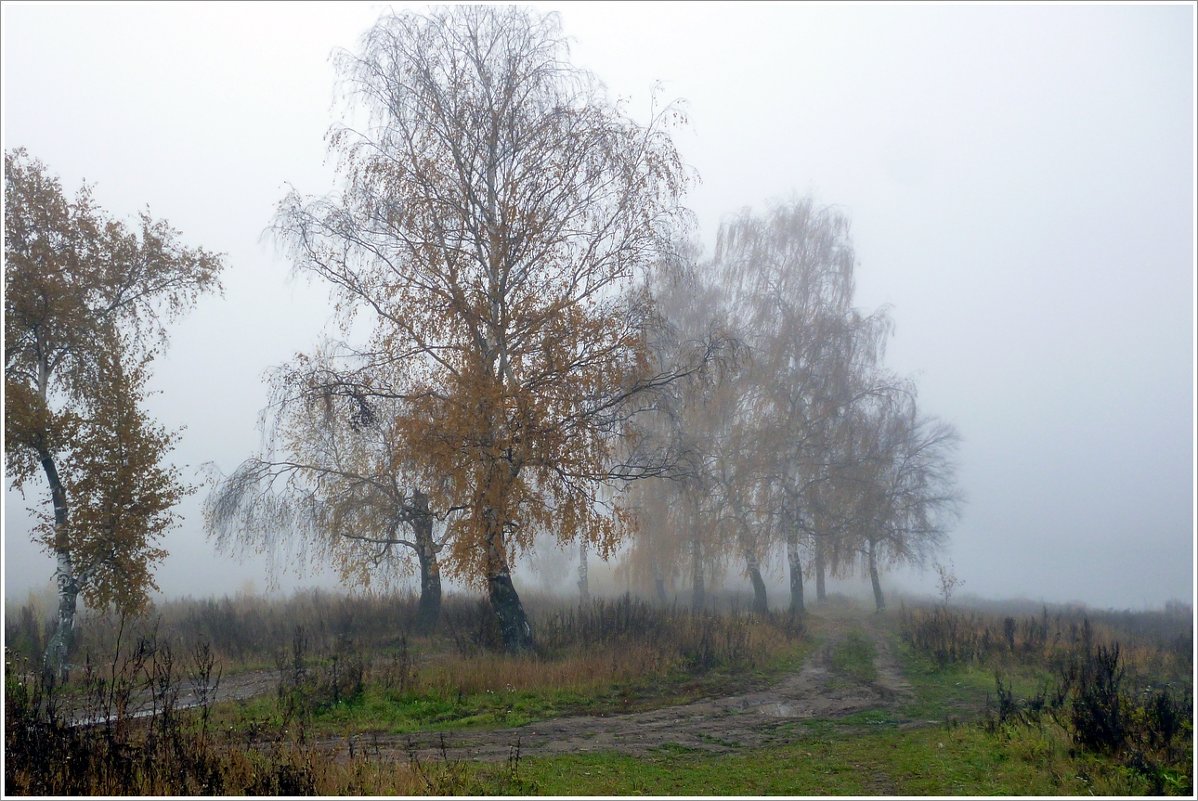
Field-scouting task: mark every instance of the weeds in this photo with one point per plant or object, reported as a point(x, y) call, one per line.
point(1152, 643)
point(1148, 732)
point(1010, 709)
point(1092, 681)
point(108, 745)
point(112, 748)
point(307, 686)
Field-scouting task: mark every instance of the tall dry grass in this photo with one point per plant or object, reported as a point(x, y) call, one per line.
point(578, 646)
point(1154, 644)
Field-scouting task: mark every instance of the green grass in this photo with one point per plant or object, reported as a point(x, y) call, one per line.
point(957, 692)
point(383, 711)
point(961, 760)
point(854, 657)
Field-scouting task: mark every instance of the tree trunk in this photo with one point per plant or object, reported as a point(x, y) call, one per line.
point(873, 577)
point(59, 648)
point(429, 612)
point(760, 602)
point(698, 594)
point(821, 594)
point(584, 587)
point(514, 629)
point(659, 587)
point(659, 581)
point(796, 571)
point(54, 661)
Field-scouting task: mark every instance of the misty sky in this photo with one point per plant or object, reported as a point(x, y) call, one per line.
point(1020, 181)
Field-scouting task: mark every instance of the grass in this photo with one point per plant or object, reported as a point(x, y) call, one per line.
point(625, 657)
point(854, 657)
point(962, 760)
point(958, 691)
point(493, 690)
point(878, 751)
point(919, 748)
point(611, 656)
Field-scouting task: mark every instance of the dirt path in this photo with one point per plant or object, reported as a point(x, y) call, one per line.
point(241, 686)
point(715, 725)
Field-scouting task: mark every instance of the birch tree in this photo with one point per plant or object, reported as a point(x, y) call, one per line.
point(675, 534)
point(335, 483)
point(898, 490)
point(791, 274)
point(740, 485)
point(653, 560)
point(86, 302)
point(493, 211)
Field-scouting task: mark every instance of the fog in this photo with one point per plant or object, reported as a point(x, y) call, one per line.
point(1020, 181)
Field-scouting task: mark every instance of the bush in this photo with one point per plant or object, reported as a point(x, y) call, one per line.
point(1147, 732)
point(1097, 712)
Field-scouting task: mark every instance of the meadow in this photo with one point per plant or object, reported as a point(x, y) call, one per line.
point(329, 694)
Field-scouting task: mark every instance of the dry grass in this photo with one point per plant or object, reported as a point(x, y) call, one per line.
point(1153, 644)
point(492, 672)
point(328, 652)
point(243, 631)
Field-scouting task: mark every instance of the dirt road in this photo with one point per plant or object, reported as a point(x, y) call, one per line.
point(716, 725)
point(230, 688)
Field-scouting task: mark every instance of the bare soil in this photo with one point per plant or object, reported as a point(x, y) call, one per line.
point(715, 725)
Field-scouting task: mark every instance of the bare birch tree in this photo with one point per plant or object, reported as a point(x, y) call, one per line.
point(335, 483)
point(898, 489)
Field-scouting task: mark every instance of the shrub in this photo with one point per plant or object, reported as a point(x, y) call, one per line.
point(1097, 715)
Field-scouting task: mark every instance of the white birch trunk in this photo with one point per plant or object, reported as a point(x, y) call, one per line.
point(584, 588)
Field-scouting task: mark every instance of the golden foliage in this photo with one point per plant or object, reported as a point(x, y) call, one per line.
point(85, 306)
point(492, 220)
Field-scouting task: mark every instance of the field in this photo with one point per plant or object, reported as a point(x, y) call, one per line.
point(324, 694)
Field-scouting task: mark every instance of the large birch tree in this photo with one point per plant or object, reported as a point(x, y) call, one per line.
point(493, 211)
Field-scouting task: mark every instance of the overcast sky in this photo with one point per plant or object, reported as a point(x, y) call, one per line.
point(1020, 181)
